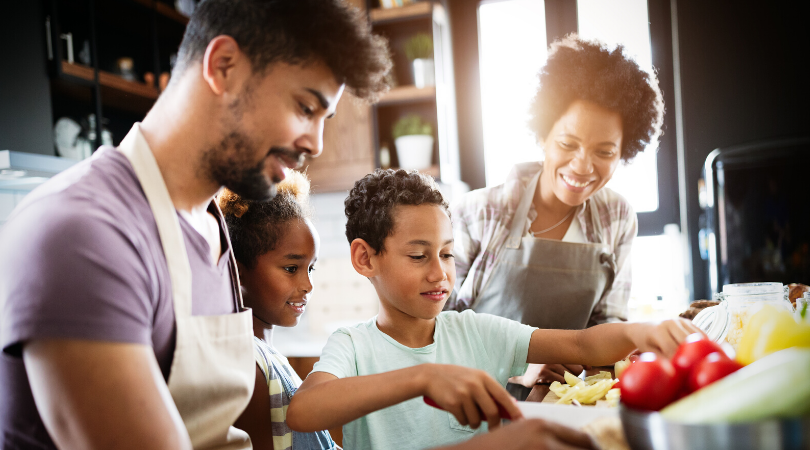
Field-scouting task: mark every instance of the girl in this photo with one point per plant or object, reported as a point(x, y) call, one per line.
point(276, 247)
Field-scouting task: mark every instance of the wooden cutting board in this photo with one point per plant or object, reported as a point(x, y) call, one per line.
point(552, 397)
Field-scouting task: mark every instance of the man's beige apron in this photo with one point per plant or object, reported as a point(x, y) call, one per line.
point(213, 371)
point(543, 282)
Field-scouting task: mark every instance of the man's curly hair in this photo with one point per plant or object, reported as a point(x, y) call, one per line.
point(371, 202)
point(578, 69)
point(255, 227)
point(294, 32)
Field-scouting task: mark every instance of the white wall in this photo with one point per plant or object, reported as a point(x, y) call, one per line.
point(340, 296)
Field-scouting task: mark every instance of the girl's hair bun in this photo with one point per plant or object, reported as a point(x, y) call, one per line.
point(256, 226)
point(295, 184)
point(232, 204)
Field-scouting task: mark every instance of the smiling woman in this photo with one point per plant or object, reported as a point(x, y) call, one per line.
point(550, 247)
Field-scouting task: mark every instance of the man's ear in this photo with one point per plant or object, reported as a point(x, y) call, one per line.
point(362, 258)
point(220, 63)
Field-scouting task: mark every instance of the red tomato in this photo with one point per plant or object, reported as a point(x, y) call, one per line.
point(691, 352)
point(650, 383)
point(713, 367)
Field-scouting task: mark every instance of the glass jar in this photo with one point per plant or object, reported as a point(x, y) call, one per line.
point(800, 305)
point(743, 300)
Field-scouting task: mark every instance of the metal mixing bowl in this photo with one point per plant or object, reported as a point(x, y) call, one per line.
point(649, 431)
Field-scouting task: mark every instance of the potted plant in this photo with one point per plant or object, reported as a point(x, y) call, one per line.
point(413, 138)
point(419, 50)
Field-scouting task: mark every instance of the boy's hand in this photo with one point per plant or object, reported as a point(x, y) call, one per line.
point(547, 373)
point(662, 338)
point(529, 434)
point(471, 395)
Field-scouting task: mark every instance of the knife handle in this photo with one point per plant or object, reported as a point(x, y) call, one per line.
point(501, 410)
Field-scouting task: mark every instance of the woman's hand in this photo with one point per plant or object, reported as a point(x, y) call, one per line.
point(547, 373)
point(529, 434)
point(471, 395)
point(662, 338)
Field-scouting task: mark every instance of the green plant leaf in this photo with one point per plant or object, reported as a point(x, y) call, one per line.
point(420, 46)
point(411, 125)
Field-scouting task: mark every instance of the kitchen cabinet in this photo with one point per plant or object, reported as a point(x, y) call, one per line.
point(348, 148)
point(90, 45)
point(353, 139)
point(25, 102)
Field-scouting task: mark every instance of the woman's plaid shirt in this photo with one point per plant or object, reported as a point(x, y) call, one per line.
point(481, 223)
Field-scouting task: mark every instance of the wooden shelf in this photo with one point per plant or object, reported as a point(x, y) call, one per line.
point(413, 11)
point(408, 94)
point(129, 87)
point(110, 80)
point(432, 171)
point(116, 91)
point(164, 10)
point(171, 13)
point(78, 71)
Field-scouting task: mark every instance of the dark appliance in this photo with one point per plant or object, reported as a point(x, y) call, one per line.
point(756, 218)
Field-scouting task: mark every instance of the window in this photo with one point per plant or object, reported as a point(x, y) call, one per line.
point(625, 22)
point(512, 46)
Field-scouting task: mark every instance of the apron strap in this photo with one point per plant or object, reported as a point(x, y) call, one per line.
point(596, 221)
point(171, 235)
point(608, 261)
point(237, 290)
point(521, 213)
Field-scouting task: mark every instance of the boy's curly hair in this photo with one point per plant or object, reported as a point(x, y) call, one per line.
point(370, 204)
point(255, 227)
point(578, 69)
point(295, 32)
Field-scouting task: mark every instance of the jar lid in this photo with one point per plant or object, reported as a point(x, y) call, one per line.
point(752, 288)
point(714, 321)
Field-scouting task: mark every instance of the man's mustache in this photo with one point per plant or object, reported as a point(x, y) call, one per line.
point(289, 154)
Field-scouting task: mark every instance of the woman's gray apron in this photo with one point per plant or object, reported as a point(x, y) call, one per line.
point(547, 283)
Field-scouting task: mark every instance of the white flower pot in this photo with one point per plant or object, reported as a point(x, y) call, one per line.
point(414, 151)
point(424, 73)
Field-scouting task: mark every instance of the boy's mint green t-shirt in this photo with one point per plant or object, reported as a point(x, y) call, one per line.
point(482, 341)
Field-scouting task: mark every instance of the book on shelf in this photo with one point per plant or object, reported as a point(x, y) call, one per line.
point(386, 4)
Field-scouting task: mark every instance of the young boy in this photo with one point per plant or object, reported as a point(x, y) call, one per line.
point(371, 377)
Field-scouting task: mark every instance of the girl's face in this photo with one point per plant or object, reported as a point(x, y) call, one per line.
point(279, 285)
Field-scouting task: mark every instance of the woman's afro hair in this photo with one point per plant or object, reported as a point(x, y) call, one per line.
point(578, 69)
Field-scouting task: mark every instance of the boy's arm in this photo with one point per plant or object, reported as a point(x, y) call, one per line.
point(324, 401)
point(607, 343)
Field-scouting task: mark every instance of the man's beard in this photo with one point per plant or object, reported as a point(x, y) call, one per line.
point(230, 164)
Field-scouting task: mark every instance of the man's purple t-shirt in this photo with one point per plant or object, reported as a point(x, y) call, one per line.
point(81, 258)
